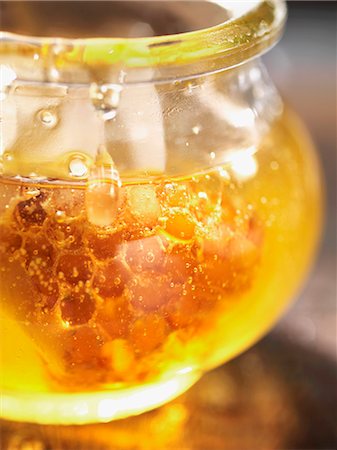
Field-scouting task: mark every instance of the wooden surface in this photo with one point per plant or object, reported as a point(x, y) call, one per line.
point(281, 394)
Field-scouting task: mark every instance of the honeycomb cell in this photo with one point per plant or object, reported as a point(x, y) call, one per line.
point(104, 245)
point(143, 205)
point(30, 212)
point(37, 247)
point(119, 356)
point(183, 307)
point(180, 224)
point(9, 240)
point(148, 291)
point(115, 316)
point(180, 265)
point(242, 253)
point(68, 201)
point(174, 195)
point(148, 333)
point(216, 240)
point(44, 282)
point(75, 268)
point(110, 279)
point(146, 254)
point(9, 195)
point(82, 347)
point(67, 234)
point(231, 268)
point(77, 308)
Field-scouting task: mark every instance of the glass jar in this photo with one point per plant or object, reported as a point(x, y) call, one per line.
point(159, 204)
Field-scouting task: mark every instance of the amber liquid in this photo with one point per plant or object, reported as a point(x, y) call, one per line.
point(191, 271)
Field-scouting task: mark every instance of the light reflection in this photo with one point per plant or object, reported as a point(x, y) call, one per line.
point(237, 8)
point(7, 76)
point(86, 408)
point(131, 404)
point(244, 165)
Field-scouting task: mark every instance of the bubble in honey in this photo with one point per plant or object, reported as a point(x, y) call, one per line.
point(196, 129)
point(7, 157)
point(77, 167)
point(60, 216)
point(47, 117)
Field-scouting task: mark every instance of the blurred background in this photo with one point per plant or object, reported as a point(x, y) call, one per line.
point(281, 394)
point(303, 66)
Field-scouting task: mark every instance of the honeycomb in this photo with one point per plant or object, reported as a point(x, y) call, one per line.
point(117, 304)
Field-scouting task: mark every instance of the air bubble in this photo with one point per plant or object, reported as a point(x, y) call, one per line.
point(77, 167)
point(8, 157)
point(48, 118)
point(150, 257)
point(274, 165)
point(203, 195)
point(196, 130)
point(60, 216)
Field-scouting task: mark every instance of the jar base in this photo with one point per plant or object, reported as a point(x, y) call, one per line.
point(94, 407)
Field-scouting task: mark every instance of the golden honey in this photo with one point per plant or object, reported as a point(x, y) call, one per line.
point(101, 322)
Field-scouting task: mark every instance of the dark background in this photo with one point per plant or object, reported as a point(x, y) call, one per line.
point(281, 394)
point(303, 66)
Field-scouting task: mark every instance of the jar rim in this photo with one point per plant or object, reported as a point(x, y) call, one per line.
point(250, 32)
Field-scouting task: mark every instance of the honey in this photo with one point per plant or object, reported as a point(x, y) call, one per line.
point(112, 296)
point(191, 271)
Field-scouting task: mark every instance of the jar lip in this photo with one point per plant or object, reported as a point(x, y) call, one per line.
point(250, 32)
